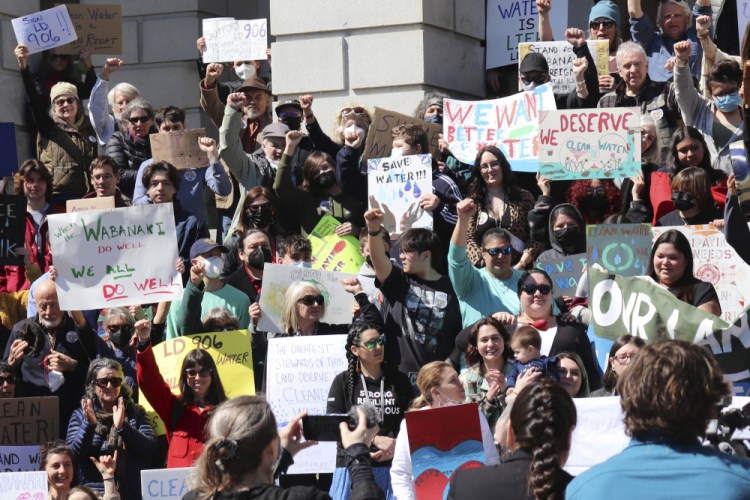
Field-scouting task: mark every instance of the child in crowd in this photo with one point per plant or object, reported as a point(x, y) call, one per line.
point(527, 344)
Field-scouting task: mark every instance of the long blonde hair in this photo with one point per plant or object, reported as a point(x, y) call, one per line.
point(428, 378)
point(289, 318)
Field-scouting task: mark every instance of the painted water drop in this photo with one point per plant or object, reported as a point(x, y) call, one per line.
point(408, 185)
point(417, 191)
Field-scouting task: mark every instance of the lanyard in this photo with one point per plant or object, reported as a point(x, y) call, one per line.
point(381, 409)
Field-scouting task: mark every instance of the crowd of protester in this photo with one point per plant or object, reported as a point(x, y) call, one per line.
point(455, 314)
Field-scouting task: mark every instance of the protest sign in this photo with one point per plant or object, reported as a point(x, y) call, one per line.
point(395, 185)
point(99, 29)
point(565, 272)
point(13, 229)
point(9, 158)
point(560, 57)
point(443, 441)
point(165, 483)
point(379, 140)
point(24, 485)
point(589, 144)
point(743, 17)
point(638, 306)
point(510, 123)
point(86, 204)
point(20, 458)
point(619, 248)
point(44, 30)
point(228, 39)
point(716, 262)
point(129, 257)
point(231, 352)
point(277, 278)
point(181, 148)
point(598, 435)
point(300, 371)
point(331, 252)
point(512, 22)
point(32, 420)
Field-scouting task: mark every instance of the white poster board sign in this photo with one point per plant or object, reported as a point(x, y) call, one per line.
point(165, 483)
point(277, 278)
point(119, 257)
point(560, 57)
point(743, 17)
point(24, 485)
point(229, 39)
point(45, 30)
point(395, 185)
point(299, 373)
point(19, 458)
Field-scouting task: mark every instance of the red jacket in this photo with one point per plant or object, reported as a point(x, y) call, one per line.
point(189, 433)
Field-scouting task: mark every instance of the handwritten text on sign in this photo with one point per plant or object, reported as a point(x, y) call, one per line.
point(165, 483)
point(129, 257)
point(233, 40)
point(379, 140)
point(24, 485)
point(45, 30)
point(332, 252)
point(620, 248)
point(511, 124)
point(99, 29)
point(25, 421)
point(19, 458)
point(560, 57)
point(12, 228)
point(565, 272)
point(589, 144)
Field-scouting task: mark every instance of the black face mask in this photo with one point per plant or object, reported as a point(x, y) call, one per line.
point(121, 337)
point(683, 201)
point(595, 203)
point(259, 257)
point(568, 237)
point(260, 218)
point(326, 180)
point(293, 123)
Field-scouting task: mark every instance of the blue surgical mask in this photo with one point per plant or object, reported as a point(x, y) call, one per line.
point(301, 263)
point(729, 102)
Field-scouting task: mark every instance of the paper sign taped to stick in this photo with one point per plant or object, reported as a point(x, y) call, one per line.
point(12, 228)
point(560, 57)
point(231, 352)
point(9, 158)
point(331, 252)
point(379, 140)
point(99, 29)
point(620, 248)
point(159, 484)
point(20, 458)
point(590, 144)
point(565, 272)
point(181, 148)
point(300, 371)
point(277, 278)
point(24, 485)
point(86, 204)
point(510, 123)
point(26, 421)
point(395, 185)
point(129, 257)
point(45, 30)
point(229, 39)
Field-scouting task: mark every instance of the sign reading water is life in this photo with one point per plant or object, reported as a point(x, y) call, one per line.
point(45, 30)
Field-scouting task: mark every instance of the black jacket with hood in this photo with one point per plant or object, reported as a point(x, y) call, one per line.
point(557, 248)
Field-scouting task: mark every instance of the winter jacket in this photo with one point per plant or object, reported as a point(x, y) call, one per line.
point(129, 152)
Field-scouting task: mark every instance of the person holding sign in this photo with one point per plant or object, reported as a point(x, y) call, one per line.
point(118, 98)
point(109, 422)
point(67, 140)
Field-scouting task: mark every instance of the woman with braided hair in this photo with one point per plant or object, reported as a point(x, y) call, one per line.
point(541, 424)
point(368, 379)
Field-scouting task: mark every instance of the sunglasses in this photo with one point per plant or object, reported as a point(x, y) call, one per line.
point(58, 57)
point(309, 300)
point(63, 102)
point(125, 329)
point(290, 114)
point(370, 344)
point(537, 79)
point(494, 252)
point(203, 372)
point(104, 382)
point(607, 24)
point(138, 119)
point(532, 289)
point(357, 111)
point(11, 379)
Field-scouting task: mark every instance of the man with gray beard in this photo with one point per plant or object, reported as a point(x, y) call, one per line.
point(51, 352)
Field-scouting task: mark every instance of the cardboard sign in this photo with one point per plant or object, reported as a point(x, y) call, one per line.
point(277, 278)
point(395, 185)
point(165, 483)
point(84, 205)
point(228, 39)
point(9, 158)
point(560, 57)
point(99, 29)
point(20, 458)
point(45, 30)
point(12, 229)
point(231, 352)
point(27, 421)
point(117, 257)
point(379, 140)
point(443, 441)
point(300, 371)
point(510, 123)
point(590, 144)
point(179, 148)
point(24, 485)
point(619, 248)
point(510, 22)
point(565, 272)
point(331, 252)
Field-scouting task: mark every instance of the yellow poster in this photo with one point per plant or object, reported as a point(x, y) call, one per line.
point(231, 352)
point(332, 252)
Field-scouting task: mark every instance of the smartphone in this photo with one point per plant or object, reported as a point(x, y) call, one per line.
point(323, 427)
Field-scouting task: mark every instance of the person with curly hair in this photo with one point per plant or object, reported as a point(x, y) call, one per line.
point(595, 199)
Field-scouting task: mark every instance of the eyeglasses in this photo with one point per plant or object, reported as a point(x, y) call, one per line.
point(537, 79)
point(125, 329)
point(499, 250)
point(258, 208)
point(595, 190)
point(8, 378)
point(113, 381)
point(104, 177)
point(138, 119)
point(607, 23)
point(370, 344)
point(203, 372)
point(493, 165)
point(309, 300)
point(359, 110)
point(64, 101)
point(532, 289)
point(624, 358)
point(295, 113)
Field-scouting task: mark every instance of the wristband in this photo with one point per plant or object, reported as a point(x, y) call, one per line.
point(373, 233)
point(108, 479)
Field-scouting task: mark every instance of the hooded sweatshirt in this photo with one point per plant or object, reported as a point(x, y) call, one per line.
point(558, 249)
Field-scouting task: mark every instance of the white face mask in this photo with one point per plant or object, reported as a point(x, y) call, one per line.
point(448, 400)
point(528, 87)
point(212, 266)
point(397, 153)
point(351, 129)
point(245, 71)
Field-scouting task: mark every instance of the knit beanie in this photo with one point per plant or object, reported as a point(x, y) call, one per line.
point(607, 9)
point(62, 88)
